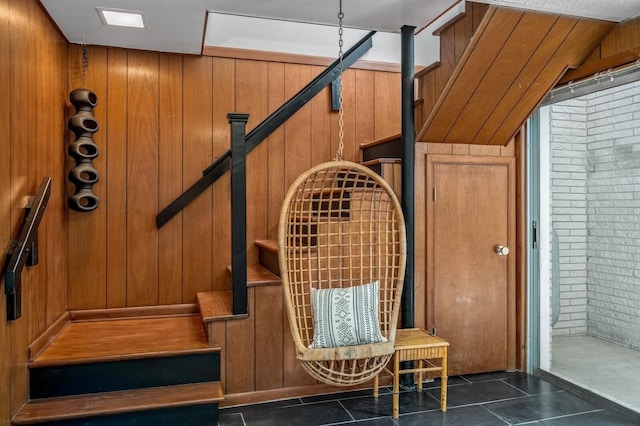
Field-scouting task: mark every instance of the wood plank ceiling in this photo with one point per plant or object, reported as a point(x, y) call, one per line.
point(514, 58)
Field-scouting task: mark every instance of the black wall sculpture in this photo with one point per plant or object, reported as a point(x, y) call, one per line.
point(83, 150)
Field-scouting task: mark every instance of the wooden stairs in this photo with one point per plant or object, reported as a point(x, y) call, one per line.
point(496, 65)
point(124, 367)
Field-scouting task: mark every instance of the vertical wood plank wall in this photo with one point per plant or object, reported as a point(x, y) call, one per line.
point(33, 70)
point(162, 121)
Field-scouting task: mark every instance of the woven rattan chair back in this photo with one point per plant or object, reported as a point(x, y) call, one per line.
point(341, 225)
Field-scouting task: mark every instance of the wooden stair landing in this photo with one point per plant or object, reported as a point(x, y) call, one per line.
point(143, 366)
point(131, 338)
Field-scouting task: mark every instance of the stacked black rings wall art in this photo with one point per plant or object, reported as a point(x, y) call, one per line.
point(83, 150)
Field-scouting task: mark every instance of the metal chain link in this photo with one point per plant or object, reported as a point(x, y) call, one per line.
point(85, 63)
point(340, 98)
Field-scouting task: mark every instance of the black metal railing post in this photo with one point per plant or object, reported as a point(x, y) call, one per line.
point(408, 176)
point(238, 123)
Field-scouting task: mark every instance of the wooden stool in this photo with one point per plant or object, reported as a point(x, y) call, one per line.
point(415, 344)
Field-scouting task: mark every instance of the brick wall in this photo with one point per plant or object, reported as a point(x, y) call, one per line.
point(568, 126)
point(613, 197)
point(595, 207)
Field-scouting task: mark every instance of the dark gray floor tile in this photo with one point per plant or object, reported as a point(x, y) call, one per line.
point(262, 406)
point(532, 385)
point(599, 418)
point(451, 381)
point(539, 407)
point(344, 395)
point(497, 375)
point(230, 419)
point(464, 416)
point(298, 415)
point(410, 402)
point(382, 421)
point(476, 393)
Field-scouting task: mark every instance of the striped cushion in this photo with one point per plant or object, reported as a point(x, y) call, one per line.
point(346, 316)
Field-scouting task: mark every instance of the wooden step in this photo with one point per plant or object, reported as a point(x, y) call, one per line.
point(215, 305)
point(389, 147)
point(124, 353)
point(123, 338)
point(158, 405)
point(258, 275)
point(268, 255)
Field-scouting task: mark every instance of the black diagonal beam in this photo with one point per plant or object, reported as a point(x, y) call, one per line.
point(264, 129)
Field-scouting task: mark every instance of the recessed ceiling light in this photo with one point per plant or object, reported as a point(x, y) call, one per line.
point(122, 17)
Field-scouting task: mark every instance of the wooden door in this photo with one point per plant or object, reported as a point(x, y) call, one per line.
point(471, 288)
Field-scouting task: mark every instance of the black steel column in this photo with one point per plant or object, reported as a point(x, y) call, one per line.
point(408, 165)
point(238, 123)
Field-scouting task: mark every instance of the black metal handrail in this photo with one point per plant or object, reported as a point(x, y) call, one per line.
point(264, 129)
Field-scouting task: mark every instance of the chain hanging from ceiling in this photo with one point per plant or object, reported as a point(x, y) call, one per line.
point(340, 98)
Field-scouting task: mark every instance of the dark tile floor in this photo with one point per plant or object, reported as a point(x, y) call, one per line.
point(476, 400)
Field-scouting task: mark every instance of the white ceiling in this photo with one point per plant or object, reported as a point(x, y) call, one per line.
point(179, 25)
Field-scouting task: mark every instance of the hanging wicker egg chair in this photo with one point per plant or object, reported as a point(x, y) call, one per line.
point(341, 227)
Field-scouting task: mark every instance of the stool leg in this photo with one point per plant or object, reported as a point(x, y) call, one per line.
point(396, 386)
point(420, 365)
point(375, 386)
point(443, 383)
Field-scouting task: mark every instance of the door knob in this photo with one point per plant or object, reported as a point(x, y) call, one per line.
point(501, 250)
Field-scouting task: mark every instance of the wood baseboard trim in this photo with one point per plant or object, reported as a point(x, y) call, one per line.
point(48, 336)
point(232, 400)
point(134, 312)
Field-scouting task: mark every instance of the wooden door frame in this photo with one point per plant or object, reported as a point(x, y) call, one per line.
point(424, 246)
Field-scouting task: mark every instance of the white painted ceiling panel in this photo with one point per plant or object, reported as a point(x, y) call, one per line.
point(608, 10)
point(174, 25)
point(179, 25)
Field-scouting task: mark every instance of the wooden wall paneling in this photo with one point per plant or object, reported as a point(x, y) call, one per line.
point(447, 58)
point(527, 76)
point(441, 148)
point(489, 150)
point(365, 109)
point(509, 150)
point(57, 265)
point(224, 102)
point(520, 153)
point(218, 338)
point(460, 149)
point(463, 32)
point(420, 231)
point(522, 43)
point(275, 152)
point(387, 104)
point(87, 231)
point(479, 56)
point(252, 98)
point(170, 143)
point(240, 362)
point(5, 204)
point(197, 155)
point(269, 337)
point(624, 36)
point(429, 94)
point(297, 129)
point(297, 159)
point(115, 178)
point(40, 58)
point(322, 126)
point(19, 136)
point(578, 44)
point(478, 12)
point(142, 178)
